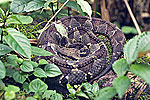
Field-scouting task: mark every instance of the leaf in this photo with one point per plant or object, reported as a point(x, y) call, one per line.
point(10, 72)
point(60, 28)
point(144, 43)
point(26, 66)
point(42, 62)
point(82, 94)
point(121, 84)
point(2, 85)
point(106, 93)
point(71, 4)
point(129, 29)
point(95, 89)
point(4, 49)
point(26, 87)
point(40, 51)
point(34, 5)
point(48, 93)
point(37, 86)
point(52, 70)
point(142, 71)
point(18, 42)
point(18, 77)
point(19, 19)
point(2, 70)
point(85, 7)
point(18, 6)
point(9, 95)
point(120, 67)
point(39, 72)
point(56, 96)
point(130, 50)
point(2, 12)
point(12, 88)
point(12, 60)
point(34, 64)
point(31, 98)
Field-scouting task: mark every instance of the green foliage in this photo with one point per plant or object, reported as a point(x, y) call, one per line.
point(39, 72)
point(4, 49)
point(85, 7)
point(10, 92)
point(142, 71)
point(19, 77)
point(52, 70)
point(128, 29)
point(37, 86)
point(2, 70)
point(18, 42)
point(106, 93)
point(19, 19)
point(121, 84)
point(40, 52)
point(26, 66)
point(120, 67)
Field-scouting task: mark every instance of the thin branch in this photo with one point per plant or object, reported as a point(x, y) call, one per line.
point(132, 16)
point(47, 25)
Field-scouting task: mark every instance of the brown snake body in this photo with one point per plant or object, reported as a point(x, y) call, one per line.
point(82, 56)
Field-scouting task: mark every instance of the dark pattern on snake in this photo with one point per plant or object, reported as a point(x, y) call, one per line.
point(82, 56)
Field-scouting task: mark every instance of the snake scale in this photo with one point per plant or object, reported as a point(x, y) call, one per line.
point(82, 56)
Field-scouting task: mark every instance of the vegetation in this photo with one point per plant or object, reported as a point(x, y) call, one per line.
point(17, 63)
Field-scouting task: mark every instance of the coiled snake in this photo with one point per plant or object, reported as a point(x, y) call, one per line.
point(82, 56)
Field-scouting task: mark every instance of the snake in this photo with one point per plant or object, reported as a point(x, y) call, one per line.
point(81, 55)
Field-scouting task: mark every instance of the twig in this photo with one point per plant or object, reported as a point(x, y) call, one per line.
point(132, 16)
point(47, 25)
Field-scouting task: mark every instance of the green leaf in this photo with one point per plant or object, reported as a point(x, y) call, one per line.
point(2, 85)
point(2, 70)
point(106, 93)
point(18, 6)
point(9, 95)
point(71, 90)
point(2, 12)
point(142, 71)
point(129, 29)
point(10, 72)
point(39, 72)
point(95, 89)
point(31, 98)
point(4, 49)
point(82, 94)
point(12, 60)
point(56, 96)
point(121, 84)
point(18, 42)
point(71, 4)
point(144, 43)
point(52, 70)
point(37, 86)
point(19, 77)
point(42, 62)
point(120, 67)
point(85, 7)
point(34, 64)
point(26, 66)
point(34, 5)
point(60, 28)
point(12, 88)
point(48, 93)
point(40, 51)
point(130, 50)
point(19, 19)
point(26, 87)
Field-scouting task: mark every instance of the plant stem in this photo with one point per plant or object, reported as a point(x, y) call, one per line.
point(132, 16)
point(47, 25)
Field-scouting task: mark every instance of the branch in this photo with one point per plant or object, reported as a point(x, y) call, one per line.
point(47, 25)
point(132, 16)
